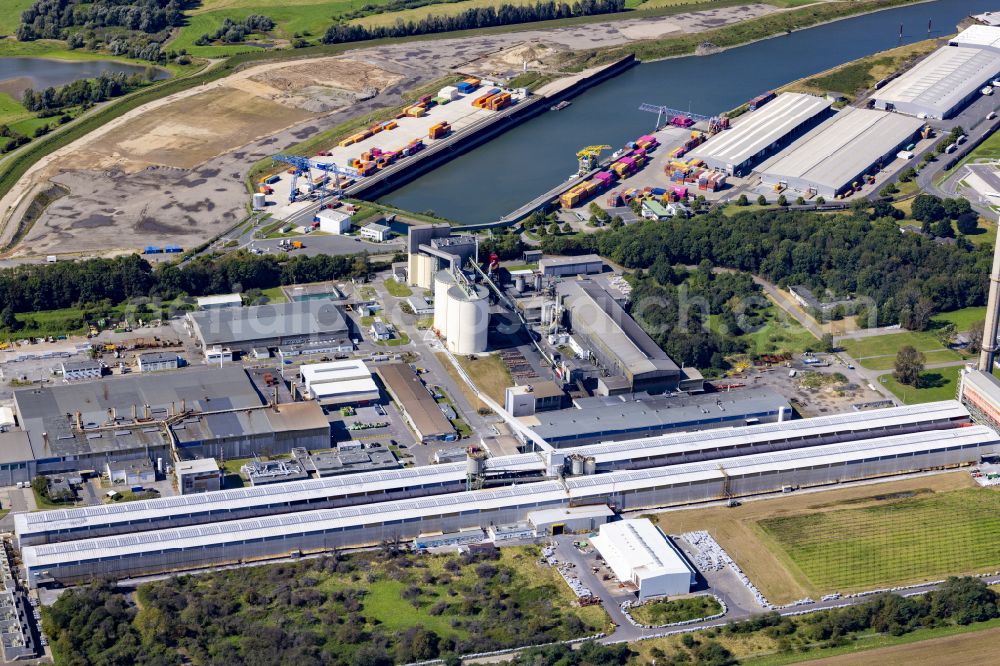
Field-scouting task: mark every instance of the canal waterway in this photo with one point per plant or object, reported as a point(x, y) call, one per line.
point(18, 74)
point(503, 174)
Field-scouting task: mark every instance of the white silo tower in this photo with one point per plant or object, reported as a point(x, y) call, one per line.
point(443, 281)
point(468, 318)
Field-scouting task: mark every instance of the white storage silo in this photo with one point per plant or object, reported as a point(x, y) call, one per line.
point(443, 281)
point(468, 319)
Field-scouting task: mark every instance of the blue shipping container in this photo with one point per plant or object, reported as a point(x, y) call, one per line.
point(151, 249)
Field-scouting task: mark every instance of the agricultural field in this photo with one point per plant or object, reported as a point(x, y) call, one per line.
point(766, 563)
point(938, 384)
point(921, 537)
point(879, 352)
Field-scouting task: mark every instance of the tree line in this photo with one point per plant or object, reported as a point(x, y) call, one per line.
point(83, 92)
point(53, 19)
point(478, 17)
point(908, 277)
point(33, 288)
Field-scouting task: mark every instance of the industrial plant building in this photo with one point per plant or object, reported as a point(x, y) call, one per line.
point(461, 312)
point(340, 383)
point(419, 408)
point(293, 323)
point(205, 412)
point(834, 157)
point(599, 419)
point(613, 339)
point(432, 248)
point(644, 558)
point(162, 550)
point(761, 133)
point(943, 82)
point(585, 264)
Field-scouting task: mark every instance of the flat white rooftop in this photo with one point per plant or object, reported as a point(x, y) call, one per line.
point(220, 300)
point(978, 36)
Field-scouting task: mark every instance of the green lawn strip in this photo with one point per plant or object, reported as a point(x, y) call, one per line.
point(274, 295)
point(44, 503)
point(888, 362)
point(396, 289)
point(945, 386)
point(962, 319)
point(401, 339)
point(64, 321)
point(890, 343)
point(896, 542)
point(864, 642)
point(656, 613)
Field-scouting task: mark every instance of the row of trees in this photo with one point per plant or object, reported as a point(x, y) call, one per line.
point(83, 92)
point(72, 284)
point(53, 19)
point(234, 32)
point(905, 278)
point(479, 17)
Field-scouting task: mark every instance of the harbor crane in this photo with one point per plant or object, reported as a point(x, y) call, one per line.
point(667, 116)
point(588, 158)
point(303, 167)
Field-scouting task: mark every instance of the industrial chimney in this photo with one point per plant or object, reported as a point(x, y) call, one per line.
point(989, 347)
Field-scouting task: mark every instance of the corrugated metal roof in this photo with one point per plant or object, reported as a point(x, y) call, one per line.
point(942, 80)
point(841, 148)
point(761, 128)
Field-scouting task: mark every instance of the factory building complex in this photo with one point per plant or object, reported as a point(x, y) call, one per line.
point(242, 525)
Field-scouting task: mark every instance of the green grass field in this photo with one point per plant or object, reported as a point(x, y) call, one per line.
point(962, 319)
point(11, 110)
point(10, 17)
point(879, 352)
point(780, 334)
point(396, 289)
point(658, 613)
point(901, 541)
point(943, 384)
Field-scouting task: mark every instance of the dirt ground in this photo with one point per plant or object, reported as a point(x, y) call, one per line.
point(776, 577)
point(975, 647)
point(171, 171)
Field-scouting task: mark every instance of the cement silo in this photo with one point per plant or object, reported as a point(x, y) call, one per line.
point(468, 319)
point(443, 281)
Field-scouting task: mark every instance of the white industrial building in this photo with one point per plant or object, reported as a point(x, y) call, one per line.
point(378, 233)
point(644, 557)
point(155, 361)
point(73, 371)
point(759, 134)
point(585, 264)
point(939, 85)
point(339, 382)
point(333, 221)
point(198, 476)
point(834, 156)
point(219, 301)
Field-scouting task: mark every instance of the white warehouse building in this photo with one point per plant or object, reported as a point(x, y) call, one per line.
point(339, 382)
point(641, 555)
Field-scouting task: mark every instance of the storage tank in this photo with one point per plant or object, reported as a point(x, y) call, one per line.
point(590, 465)
point(538, 282)
point(468, 319)
point(576, 465)
point(519, 284)
point(474, 460)
point(443, 281)
point(259, 201)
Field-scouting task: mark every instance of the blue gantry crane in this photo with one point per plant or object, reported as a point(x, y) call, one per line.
point(303, 167)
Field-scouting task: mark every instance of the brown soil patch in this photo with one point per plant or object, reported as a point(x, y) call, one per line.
point(777, 577)
point(326, 72)
point(189, 132)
